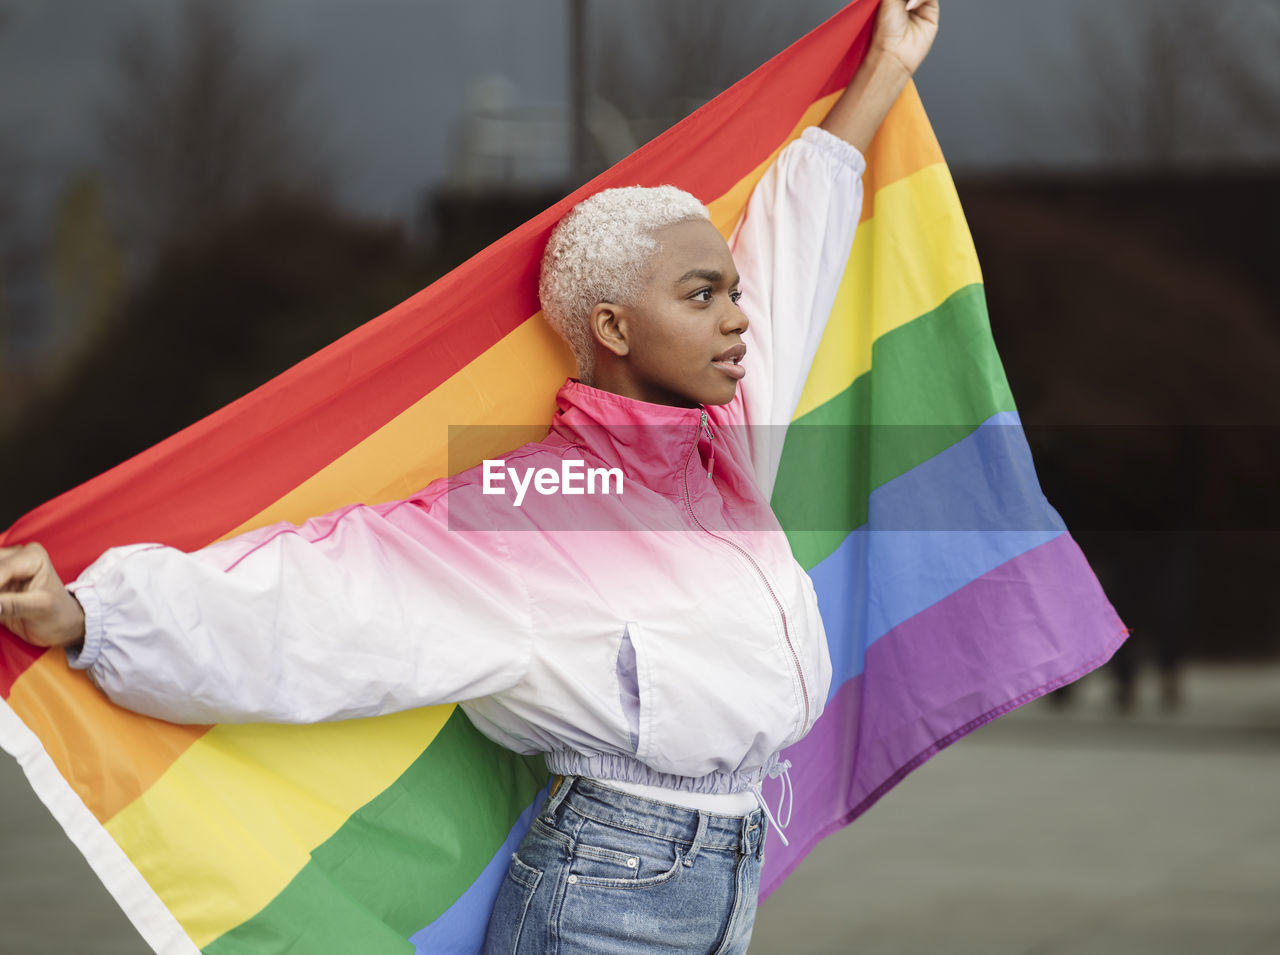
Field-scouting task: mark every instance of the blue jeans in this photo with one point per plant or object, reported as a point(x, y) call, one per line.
point(603, 871)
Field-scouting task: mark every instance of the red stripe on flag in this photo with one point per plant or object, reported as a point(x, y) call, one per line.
point(195, 486)
point(15, 657)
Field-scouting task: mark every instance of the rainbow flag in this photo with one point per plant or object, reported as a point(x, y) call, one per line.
point(950, 590)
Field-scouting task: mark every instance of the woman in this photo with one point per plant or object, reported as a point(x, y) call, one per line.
point(660, 666)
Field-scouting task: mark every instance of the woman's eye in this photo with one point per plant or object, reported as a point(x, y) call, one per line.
point(702, 295)
point(735, 296)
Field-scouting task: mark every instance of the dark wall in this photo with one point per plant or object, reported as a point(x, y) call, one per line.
point(1138, 324)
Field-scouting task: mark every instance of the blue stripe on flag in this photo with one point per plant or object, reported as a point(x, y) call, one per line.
point(950, 520)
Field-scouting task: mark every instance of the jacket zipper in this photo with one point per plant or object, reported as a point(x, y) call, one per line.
point(688, 501)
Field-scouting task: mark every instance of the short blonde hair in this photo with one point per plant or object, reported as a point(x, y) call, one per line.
point(597, 253)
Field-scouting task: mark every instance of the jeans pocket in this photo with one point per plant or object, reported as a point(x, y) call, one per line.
point(595, 862)
point(683, 908)
point(641, 882)
point(506, 922)
point(604, 854)
point(591, 866)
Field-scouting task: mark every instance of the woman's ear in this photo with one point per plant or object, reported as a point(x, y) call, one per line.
point(608, 322)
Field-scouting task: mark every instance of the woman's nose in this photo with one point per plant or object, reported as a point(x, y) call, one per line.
point(734, 319)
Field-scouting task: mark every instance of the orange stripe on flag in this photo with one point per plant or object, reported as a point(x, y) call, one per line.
point(904, 145)
point(109, 756)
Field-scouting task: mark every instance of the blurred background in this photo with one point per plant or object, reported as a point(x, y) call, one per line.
point(195, 194)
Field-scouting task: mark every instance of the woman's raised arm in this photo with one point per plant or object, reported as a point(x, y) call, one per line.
point(792, 245)
point(904, 32)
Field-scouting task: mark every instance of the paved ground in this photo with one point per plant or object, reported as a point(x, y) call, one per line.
point(1072, 832)
point(1050, 832)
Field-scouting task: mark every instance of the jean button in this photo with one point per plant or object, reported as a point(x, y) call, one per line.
point(632, 862)
point(573, 880)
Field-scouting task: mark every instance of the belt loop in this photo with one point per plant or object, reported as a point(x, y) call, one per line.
point(764, 831)
point(560, 786)
point(698, 838)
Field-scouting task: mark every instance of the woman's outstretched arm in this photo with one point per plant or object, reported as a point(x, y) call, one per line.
point(367, 610)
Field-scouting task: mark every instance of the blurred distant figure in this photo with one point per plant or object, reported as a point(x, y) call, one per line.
point(1161, 582)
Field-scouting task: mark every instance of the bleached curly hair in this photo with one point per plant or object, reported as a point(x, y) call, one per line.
point(598, 252)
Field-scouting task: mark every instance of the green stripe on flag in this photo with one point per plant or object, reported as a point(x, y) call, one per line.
point(919, 398)
point(403, 858)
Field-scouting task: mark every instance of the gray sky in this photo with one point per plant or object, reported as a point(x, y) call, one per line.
point(384, 78)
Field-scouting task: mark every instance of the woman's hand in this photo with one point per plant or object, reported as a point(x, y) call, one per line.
point(904, 31)
point(34, 604)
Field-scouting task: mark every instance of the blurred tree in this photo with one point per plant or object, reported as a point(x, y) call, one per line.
point(8, 218)
point(659, 60)
point(1189, 87)
point(200, 132)
point(86, 271)
point(9, 173)
point(214, 318)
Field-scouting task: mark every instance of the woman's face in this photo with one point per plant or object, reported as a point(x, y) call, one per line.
point(683, 332)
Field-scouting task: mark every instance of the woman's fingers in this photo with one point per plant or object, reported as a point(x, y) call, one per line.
point(22, 606)
point(20, 565)
point(905, 30)
point(33, 602)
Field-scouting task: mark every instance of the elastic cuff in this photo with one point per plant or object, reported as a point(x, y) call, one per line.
point(86, 654)
point(836, 147)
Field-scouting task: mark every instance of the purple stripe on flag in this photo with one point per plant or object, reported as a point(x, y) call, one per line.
point(1032, 624)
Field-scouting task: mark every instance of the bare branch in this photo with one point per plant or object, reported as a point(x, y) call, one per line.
point(1198, 82)
point(197, 132)
point(658, 61)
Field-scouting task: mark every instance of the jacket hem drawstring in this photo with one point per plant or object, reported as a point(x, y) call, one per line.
point(788, 795)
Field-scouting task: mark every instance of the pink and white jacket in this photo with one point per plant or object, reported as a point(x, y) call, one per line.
point(664, 635)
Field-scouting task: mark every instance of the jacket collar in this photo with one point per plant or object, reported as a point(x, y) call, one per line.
point(650, 442)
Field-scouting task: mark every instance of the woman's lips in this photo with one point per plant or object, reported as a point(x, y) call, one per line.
point(732, 369)
point(727, 361)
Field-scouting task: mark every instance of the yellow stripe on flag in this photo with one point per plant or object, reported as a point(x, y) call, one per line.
point(917, 220)
point(210, 834)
